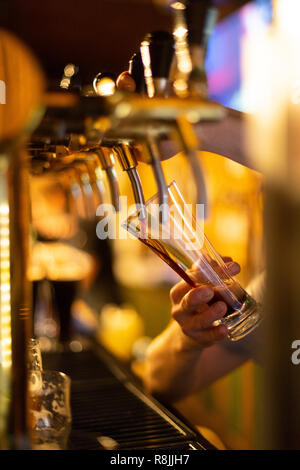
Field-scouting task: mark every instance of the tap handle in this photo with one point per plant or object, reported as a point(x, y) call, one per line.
point(160, 47)
point(136, 70)
point(200, 18)
point(150, 66)
point(157, 52)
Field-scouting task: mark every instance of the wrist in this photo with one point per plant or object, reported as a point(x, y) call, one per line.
point(185, 343)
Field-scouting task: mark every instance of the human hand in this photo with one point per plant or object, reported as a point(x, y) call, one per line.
point(192, 311)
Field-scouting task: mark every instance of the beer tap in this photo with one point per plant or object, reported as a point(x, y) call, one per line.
point(150, 68)
point(127, 159)
point(106, 159)
point(193, 23)
point(104, 85)
point(76, 189)
point(157, 56)
point(136, 70)
point(82, 168)
point(157, 52)
point(201, 17)
point(92, 163)
point(87, 183)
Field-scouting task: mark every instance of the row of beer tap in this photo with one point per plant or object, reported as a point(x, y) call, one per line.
point(85, 129)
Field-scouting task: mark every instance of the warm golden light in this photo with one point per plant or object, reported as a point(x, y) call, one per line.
point(69, 70)
point(65, 82)
point(180, 32)
point(178, 6)
point(105, 86)
point(5, 308)
point(287, 16)
point(59, 261)
point(119, 328)
point(183, 58)
point(271, 85)
point(181, 87)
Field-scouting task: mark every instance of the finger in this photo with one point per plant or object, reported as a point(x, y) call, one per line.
point(178, 291)
point(210, 335)
point(198, 276)
point(227, 259)
point(126, 82)
point(233, 268)
point(205, 318)
point(192, 302)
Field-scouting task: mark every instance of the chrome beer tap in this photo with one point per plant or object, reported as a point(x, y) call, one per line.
point(127, 159)
point(193, 22)
point(104, 85)
point(156, 57)
point(150, 68)
point(105, 156)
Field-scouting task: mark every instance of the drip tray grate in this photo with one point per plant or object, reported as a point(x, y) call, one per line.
point(109, 412)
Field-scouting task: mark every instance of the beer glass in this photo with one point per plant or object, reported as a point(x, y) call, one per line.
point(50, 411)
point(182, 244)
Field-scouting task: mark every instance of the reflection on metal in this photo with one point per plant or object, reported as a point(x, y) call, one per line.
point(5, 288)
point(147, 68)
point(184, 63)
point(128, 163)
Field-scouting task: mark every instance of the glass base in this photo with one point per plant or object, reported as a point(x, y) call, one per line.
point(243, 322)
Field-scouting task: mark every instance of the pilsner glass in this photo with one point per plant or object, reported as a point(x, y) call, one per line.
point(34, 365)
point(50, 411)
point(182, 244)
point(34, 355)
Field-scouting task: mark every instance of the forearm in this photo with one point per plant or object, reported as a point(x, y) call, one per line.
point(171, 365)
point(178, 366)
point(226, 137)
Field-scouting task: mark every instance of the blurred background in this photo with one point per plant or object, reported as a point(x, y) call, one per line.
point(124, 295)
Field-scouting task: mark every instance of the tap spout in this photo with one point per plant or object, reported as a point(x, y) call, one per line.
point(163, 195)
point(106, 158)
point(189, 143)
point(128, 163)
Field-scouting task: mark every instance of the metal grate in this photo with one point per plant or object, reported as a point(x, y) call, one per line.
point(108, 411)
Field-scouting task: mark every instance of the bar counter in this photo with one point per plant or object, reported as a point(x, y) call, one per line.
point(110, 410)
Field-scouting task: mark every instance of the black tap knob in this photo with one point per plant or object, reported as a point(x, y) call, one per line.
point(160, 45)
point(150, 66)
point(136, 70)
point(200, 18)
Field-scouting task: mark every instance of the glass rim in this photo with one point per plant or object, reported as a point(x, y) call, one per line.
point(136, 211)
